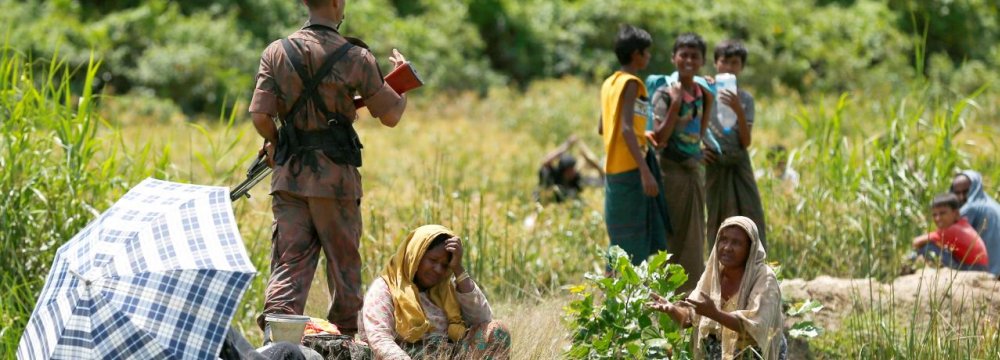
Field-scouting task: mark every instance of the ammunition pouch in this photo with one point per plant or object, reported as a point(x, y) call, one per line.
point(339, 142)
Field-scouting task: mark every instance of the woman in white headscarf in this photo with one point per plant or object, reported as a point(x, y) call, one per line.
point(736, 307)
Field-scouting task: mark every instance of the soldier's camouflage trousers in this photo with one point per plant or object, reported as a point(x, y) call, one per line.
point(303, 226)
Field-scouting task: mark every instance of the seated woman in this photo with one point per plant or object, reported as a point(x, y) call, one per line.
point(748, 325)
point(415, 308)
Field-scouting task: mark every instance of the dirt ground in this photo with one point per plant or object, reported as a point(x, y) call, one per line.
point(957, 298)
point(960, 298)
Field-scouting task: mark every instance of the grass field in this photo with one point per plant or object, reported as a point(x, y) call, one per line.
point(869, 160)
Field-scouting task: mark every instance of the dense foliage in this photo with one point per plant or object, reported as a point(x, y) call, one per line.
point(611, 318)
point(199, 53)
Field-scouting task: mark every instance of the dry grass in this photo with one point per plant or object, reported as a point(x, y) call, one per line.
point(537, 327)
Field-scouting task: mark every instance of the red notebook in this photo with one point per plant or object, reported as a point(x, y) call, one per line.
point(401, 79)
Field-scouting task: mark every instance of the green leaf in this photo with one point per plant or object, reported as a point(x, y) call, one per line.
point(804, 329)
point(629, 275)
point(634, 349)
point(615, 253)
point(607, 284)
point(645, 322)
point(677, 276)
point(804, 307)
point(579, 351)
point(603, 343)
point(656, 262)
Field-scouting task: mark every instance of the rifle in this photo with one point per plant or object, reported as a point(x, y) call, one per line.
point(258, 171)
point(401, 79)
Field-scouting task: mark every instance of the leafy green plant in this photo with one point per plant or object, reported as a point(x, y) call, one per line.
point(610, 320)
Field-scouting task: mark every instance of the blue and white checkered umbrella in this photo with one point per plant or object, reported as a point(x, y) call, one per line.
point(156, 276)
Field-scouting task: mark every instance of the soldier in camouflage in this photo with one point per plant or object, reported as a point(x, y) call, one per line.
point(316, 186)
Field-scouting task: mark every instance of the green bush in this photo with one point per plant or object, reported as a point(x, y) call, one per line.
point(198, 53)
point(611, 319)
point(445, 49)
point(800, 44)
point(153, 49)
point(962, 30)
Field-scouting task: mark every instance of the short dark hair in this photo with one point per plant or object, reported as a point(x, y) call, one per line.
point(730, 48)
point(946, 199)
point(566, 161)
point(629, 40)
point(690, 40)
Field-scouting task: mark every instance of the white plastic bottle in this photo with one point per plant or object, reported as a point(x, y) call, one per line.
point(725, 82)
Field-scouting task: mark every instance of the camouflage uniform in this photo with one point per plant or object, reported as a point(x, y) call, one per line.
point(317, 207)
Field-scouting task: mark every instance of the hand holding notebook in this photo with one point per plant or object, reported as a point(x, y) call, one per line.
point(402, 79)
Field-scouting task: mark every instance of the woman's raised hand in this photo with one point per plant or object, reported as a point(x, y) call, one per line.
point(454, 246)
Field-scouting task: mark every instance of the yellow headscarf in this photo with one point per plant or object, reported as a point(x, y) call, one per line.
point(411, 322)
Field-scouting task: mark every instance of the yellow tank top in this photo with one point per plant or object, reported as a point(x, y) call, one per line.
point(619, 159)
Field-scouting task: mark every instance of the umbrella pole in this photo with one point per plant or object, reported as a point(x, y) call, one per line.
point(78, 276)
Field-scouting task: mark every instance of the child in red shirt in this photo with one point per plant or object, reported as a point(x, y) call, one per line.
point(955, 242)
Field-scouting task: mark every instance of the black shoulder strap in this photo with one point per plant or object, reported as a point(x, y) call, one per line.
point(311, 83)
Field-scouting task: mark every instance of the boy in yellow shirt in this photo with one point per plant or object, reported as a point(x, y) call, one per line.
point(634, 207)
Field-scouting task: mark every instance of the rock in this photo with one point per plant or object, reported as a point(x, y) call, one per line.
point(948, 295)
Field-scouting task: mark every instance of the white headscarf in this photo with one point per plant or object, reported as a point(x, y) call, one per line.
point(759, 300)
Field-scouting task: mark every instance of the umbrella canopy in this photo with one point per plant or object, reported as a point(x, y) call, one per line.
point(156, 276)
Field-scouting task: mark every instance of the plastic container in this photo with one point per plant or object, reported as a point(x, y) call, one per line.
point(727, 117)
point(288, 328)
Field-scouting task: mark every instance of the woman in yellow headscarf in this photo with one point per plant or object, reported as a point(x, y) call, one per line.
point(417, 309)
point(736, 307)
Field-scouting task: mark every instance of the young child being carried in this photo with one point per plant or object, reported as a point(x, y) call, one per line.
point(955, 242)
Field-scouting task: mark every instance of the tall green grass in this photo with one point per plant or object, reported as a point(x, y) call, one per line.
point(942, 322)
point(53, 181)
point(63, 163)
point(864, 196)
